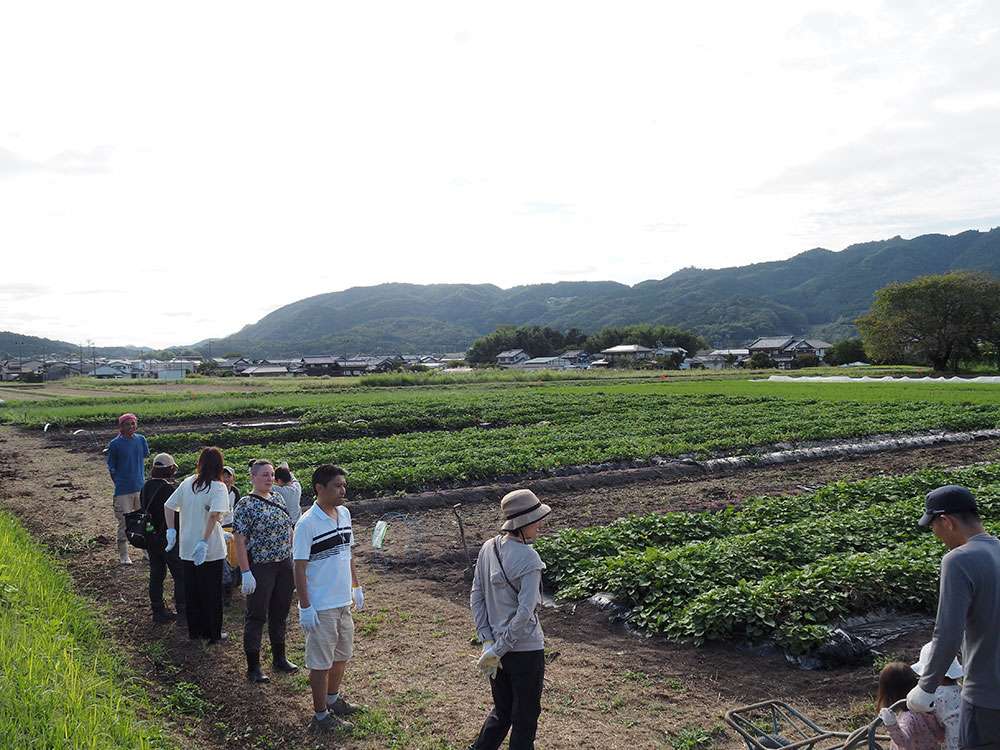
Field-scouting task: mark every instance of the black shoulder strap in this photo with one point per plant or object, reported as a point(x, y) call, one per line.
point(144, 502)
point(267, 501)
point(496, 551)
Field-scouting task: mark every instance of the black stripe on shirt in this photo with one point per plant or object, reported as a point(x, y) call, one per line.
point(333, 540)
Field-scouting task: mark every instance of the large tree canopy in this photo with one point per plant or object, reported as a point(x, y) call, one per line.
point(646, 335)
point(937, 320)
point(535, 340)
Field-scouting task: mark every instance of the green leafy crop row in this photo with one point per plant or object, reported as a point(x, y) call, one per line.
point(781, 568)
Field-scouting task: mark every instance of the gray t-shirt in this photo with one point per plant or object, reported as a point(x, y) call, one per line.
point(506, 613)
point(969, 606)
point(291, 493)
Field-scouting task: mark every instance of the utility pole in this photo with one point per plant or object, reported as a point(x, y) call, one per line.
point(81, 360)
point(93, 356)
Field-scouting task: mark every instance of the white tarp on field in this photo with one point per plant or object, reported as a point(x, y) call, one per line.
point(988, 379)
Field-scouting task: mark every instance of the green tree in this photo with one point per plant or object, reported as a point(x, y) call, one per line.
point(643, 334)
point(761, 361)
point(806, 360)
point(845, 351)
point(535, 340)
point(938, 320)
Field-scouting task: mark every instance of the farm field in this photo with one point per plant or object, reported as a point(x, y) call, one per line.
point(773, 532)
point(410, 440)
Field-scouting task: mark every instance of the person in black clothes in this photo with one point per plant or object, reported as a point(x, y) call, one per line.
point(154, 494)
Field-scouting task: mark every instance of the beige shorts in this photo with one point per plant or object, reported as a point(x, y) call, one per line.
point(333, 640)
point(127, 503)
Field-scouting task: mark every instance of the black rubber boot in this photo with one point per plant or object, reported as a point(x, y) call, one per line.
point(162, 615)
point(254, 672)
point(279, 661)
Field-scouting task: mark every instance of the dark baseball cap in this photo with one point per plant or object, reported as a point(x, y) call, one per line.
point(951, 498)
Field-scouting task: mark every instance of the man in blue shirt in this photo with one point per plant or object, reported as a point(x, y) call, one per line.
point(126, 462)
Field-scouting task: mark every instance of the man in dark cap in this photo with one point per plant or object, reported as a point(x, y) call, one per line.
point(968, 616)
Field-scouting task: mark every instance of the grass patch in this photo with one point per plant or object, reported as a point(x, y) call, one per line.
point(694, 738)
point(392, 734)
point(187, 698)
point(61, 686)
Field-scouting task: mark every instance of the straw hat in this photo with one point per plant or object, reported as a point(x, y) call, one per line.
point(520, 508)
point(954, 672)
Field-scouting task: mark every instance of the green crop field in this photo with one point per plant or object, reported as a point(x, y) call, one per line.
point(779, 568)
point(409, 439)
point(61, 686)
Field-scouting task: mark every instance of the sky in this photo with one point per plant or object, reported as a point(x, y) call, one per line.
point(173, 172)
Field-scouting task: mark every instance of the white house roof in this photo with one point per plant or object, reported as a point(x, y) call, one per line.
point(626, 349)
point(511, 353)
point(266, 370)
point(542, 360)
point(729, 353)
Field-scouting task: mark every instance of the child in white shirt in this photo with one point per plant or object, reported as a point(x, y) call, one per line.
point(947, 698)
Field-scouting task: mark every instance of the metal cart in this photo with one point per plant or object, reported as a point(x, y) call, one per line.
point(775, 724)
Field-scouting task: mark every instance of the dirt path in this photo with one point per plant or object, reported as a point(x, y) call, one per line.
point(414, 662)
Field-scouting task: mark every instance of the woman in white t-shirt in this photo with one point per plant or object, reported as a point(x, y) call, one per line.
point(201, 500)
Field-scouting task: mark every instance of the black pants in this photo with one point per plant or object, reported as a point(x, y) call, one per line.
point(517, 702)
point(269, 603)
point(979, 728)
point(203, 591)
point(159, 563)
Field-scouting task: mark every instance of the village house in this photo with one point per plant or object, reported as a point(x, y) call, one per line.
point(512, 357)
point(784, 350)
point(544, 363)
point(576, 358)
point(627, 353)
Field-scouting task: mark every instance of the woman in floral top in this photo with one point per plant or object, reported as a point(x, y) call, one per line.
point(263, 533)
point(908, 730)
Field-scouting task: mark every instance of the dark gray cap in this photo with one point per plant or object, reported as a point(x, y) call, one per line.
point(951, 498)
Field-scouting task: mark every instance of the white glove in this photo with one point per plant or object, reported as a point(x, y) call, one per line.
point(171, 539)
point(919, 700)
point(888, 717)
point(358, 595)
point(488, 662)
point(249, 584)
point(200, 552)
point(308, 619)
point(227, 536)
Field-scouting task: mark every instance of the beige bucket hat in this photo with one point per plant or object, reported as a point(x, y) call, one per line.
point(520, 508)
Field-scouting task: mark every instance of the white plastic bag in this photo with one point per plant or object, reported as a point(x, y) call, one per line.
point(379, 534)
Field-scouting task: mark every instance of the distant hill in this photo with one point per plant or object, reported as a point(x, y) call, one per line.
point(13, 345)
point(818, 292)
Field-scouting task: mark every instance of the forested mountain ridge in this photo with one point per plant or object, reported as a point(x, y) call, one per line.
point(817, 292)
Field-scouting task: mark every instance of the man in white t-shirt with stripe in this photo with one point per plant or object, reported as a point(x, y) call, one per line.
point(327, 584)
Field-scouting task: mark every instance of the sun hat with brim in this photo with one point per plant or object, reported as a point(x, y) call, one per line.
point(951, 498)
point(163, 460)
point(228, 470)
point(520, 508)
point(954, 672)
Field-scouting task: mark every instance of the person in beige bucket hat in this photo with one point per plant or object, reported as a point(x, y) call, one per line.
point(506, 594)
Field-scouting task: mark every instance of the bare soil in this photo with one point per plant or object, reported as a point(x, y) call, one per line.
point(605, 688)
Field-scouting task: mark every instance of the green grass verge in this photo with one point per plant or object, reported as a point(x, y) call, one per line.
point(60, 684)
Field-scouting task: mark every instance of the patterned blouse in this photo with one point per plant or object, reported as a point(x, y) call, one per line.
point(266, 526)
point(947, 705)
point(915, 731)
